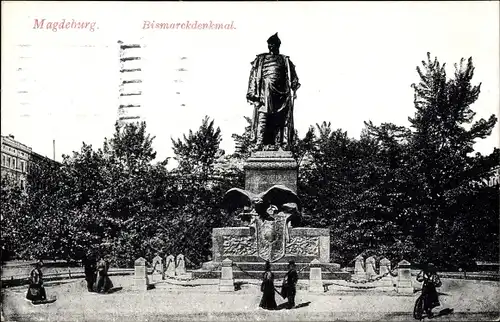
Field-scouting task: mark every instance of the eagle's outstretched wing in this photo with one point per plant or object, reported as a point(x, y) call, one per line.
point(279, 195)
point(236, 198)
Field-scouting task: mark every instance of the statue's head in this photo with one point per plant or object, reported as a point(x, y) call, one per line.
point(257, 201)
point(274, 43)
point(272, 210)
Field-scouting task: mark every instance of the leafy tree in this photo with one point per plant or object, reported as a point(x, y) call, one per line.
point(134, 196)
point(12, 201)
point(44, 215)
point(131, 145)
point(203, 176)
point(197, 152)
point(386, 181)
point(82, 181)
point(440, 148)
point(330, 189)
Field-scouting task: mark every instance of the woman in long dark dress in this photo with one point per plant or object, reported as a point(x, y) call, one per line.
point(104, 283)
point(430, 281)
point(268, 300)
point(36, 291)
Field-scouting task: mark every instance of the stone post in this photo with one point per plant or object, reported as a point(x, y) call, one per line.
point(315, 280)
point(359, 270)
point(180, 265)
point(226, 282)
point(404, 278)
point(157, 274)
point(370, 267)
point(141, 275)
point(170, 266)
point(385, 268)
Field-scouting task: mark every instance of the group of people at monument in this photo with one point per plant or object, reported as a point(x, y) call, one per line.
point(96, 276)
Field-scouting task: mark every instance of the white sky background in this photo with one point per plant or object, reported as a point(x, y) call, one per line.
point(355, 61)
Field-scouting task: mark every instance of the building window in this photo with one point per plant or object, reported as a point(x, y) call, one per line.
point(22, 166)
point(13, 163)
point(8, 162)
point(22, 184)
point(3, 159)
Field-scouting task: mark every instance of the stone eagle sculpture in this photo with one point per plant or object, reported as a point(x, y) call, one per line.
point(278, 196)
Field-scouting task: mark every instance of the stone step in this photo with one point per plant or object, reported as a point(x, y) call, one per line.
point(257, 274)
point(249, 266)
point(277, 266)
point(257, 259)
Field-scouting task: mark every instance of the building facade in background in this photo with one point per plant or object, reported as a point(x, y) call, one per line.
point(18, 160)
point(15, 159)
point(494, 179)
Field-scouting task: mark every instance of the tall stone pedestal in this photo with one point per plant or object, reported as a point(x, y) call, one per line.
point(265, 169)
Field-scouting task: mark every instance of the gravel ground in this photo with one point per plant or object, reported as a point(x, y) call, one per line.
point(471, 301)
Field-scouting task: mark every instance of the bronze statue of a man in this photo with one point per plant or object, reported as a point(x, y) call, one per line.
point(272, 89)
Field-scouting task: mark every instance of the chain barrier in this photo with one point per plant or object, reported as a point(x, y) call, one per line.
point(200, 276)
point(244, 271)
point(303, 268)
point(249, 275)
point(208, 273)
point(367, 281)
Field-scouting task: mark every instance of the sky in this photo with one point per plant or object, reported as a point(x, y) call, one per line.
point(356, 62)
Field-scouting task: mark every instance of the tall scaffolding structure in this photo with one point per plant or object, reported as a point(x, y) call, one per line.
point(129, 109)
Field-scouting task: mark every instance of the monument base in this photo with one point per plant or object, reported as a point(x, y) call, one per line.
point(239, 244)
